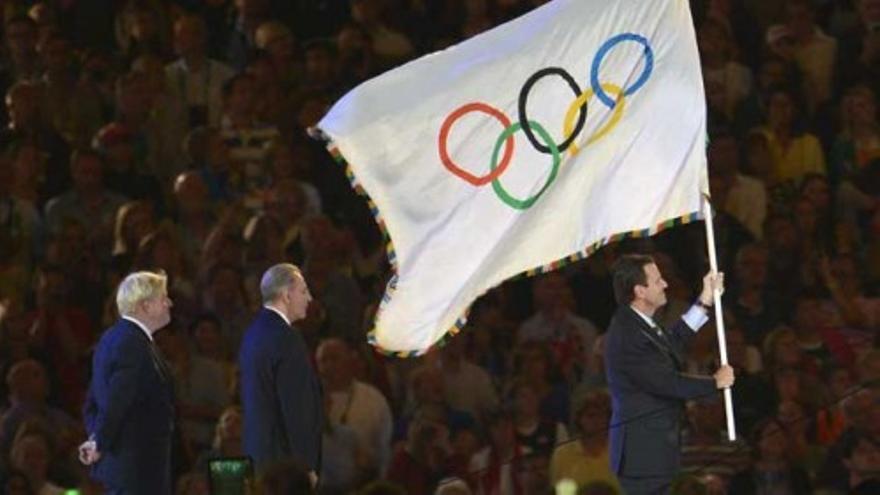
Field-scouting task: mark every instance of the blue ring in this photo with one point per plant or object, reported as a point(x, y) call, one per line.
point(597, 62)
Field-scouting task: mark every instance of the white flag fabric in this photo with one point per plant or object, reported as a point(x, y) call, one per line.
point(523, 148)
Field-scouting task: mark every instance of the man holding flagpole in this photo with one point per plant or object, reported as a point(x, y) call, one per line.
point(644, 366)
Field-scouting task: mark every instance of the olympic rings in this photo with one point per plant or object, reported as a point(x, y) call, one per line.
point(524, 98)
point(525, 204)
point(535, 132)
point(601, 132)
point(604, 49)
point(444, 136)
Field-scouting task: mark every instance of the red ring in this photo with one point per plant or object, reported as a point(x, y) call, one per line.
point(452, 166)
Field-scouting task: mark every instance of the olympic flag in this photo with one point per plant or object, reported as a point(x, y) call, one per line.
point(521, 149)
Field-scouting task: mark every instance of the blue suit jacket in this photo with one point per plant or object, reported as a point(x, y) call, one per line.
point(129, 412)
point(648, 389)
point(280, 394)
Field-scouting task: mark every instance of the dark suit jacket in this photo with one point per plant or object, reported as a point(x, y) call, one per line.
point(280, 394)
point(648, 390)
point(130, 412)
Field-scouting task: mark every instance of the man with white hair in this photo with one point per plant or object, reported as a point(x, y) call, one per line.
point(280, 392)
point(129, 409)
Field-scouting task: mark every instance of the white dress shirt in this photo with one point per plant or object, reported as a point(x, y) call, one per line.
point(140, 325)
point(695, 317)
point(279, 313)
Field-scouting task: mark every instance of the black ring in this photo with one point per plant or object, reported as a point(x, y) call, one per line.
point(524, 119)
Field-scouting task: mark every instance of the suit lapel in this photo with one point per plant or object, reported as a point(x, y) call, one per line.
point(662, 343)
point(159, 363)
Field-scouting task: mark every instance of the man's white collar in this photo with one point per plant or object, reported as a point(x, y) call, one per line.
point(648, 319)
point(140, 324)
point(279, 313)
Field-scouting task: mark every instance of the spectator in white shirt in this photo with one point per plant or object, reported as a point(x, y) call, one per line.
point(356, 404)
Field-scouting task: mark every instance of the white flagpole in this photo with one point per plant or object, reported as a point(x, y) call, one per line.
point(719, 319)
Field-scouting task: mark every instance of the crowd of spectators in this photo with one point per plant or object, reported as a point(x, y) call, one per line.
point(171, 134)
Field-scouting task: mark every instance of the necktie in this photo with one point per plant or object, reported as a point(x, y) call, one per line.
point(159, 362)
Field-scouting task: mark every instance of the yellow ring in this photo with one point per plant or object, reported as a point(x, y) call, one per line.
point(568, 124)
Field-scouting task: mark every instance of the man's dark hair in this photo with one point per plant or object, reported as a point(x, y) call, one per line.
point(629, 271)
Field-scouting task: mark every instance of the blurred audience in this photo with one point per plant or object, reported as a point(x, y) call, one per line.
point(172, 135)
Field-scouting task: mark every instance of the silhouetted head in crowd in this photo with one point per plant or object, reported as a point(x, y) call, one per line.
point(21, 38)
point(191, 195)
point(276, 39)
point(781, 349)
point(264, 240)
point(869, 12)
point(240, 98)
point(116, 142)
point(87, 172)
point(43, 15)
point(252, 11)
point(287, 202)
point(57, 54)
point(151, 68)
point(320, 62)
point(858, 109)
point(706, 418)
point(501, 432)
point(427, 387)
point(367, 12)
point(784, 109)
point(191, 38)
point(227, 433)
point(751, 267)
point(133, 98)
point(862, 410)
point(51, 288)
point(591, 414)
point(861, 457)
point(453, 486)
point(23, 106)
point(224, 291)
point(32, 453)
point(16, 482)
point(207, 335)
point(552, 295)
point(769, 441)
point(28, 383)
point(782, 236)
point(134, 221)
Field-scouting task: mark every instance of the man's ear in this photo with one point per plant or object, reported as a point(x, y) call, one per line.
point(638, 292)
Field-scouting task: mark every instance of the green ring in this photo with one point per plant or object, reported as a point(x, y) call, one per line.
point(524, 204)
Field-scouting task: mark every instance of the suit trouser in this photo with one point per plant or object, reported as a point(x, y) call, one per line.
point(654, 485)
